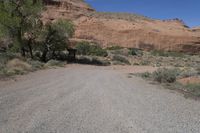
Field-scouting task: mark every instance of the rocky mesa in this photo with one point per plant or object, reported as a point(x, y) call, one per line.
point(123, 29)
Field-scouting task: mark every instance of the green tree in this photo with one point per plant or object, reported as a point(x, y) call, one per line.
point(86, 48)
point(83, 48)
point(55, 38)
point(19, 17)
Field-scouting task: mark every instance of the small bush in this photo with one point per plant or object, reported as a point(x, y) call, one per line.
point(198, 70)
point(135, 52)
point(193, 88)
point(164, 75)
point(145, 62)
point(95, 50)
point(18, 65)
point(85, 48)
point(54, 63)
point(146, 75)
point(36, 65)
point(188, 73)
point(121, 59)
point(167, 54)
point(92, 61)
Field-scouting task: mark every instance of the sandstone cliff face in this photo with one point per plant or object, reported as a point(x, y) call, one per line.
point(65, 9)
point(126, 30)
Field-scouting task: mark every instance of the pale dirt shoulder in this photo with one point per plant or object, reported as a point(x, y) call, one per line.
point(118, 68)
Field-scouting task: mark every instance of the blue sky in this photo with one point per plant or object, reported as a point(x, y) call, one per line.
point(187, 10)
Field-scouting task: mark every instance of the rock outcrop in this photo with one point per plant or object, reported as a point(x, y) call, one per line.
point(122, 29)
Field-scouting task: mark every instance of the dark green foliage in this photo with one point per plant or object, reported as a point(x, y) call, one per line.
point(135, 52)
point(85, 48)
point(97, 51)
point(18, 19)
point(64, 27)
point(5, 57)
point(92, 61)
point(36, 65)
point(167, 54)
point(53, 39)
point(114, 48)
point(164, 75)
point(146, 75)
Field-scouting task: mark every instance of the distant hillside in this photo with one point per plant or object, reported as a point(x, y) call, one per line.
point(123, 29)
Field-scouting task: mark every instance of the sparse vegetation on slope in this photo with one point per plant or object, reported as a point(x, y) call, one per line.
point(123, 16)
point(85, 48)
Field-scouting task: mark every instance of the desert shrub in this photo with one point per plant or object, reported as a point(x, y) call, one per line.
point(145, 62)
point(92, 61)
point(100, 62)
point(85, 48)
point(145, 75)
point(189, 72)
point(121, 52)
point(198, 70)
point(114, 48)
point(96, 50)
point(135, 51)
point(5, 57)
point(35, 64)
point(167, 53)
point(58, 55)
point(164, 75)
point(121, 59)
point(18, 65)
point(193, 88)
point(61, 55)
point(14, 67)
point(5, 73)
point(55, 63)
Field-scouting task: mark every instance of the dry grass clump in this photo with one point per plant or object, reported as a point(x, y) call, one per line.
point(119, 59)
point(19, 65)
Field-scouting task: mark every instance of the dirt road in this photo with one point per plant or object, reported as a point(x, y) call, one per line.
point(88, 99)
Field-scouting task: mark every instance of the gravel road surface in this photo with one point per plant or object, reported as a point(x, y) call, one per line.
point(88, 99)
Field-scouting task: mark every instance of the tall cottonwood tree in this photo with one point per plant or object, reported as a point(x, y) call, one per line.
point(54, 37)
point(18, 18)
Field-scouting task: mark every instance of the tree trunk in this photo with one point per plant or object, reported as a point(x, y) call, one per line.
point(19, 39)
point(23, 53)
point(44, 55)
point(30, 48)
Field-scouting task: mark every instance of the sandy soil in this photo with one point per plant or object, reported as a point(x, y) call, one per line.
point(90, 99)
point(190, 80)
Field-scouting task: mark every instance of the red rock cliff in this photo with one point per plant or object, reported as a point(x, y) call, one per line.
point(126, 30)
